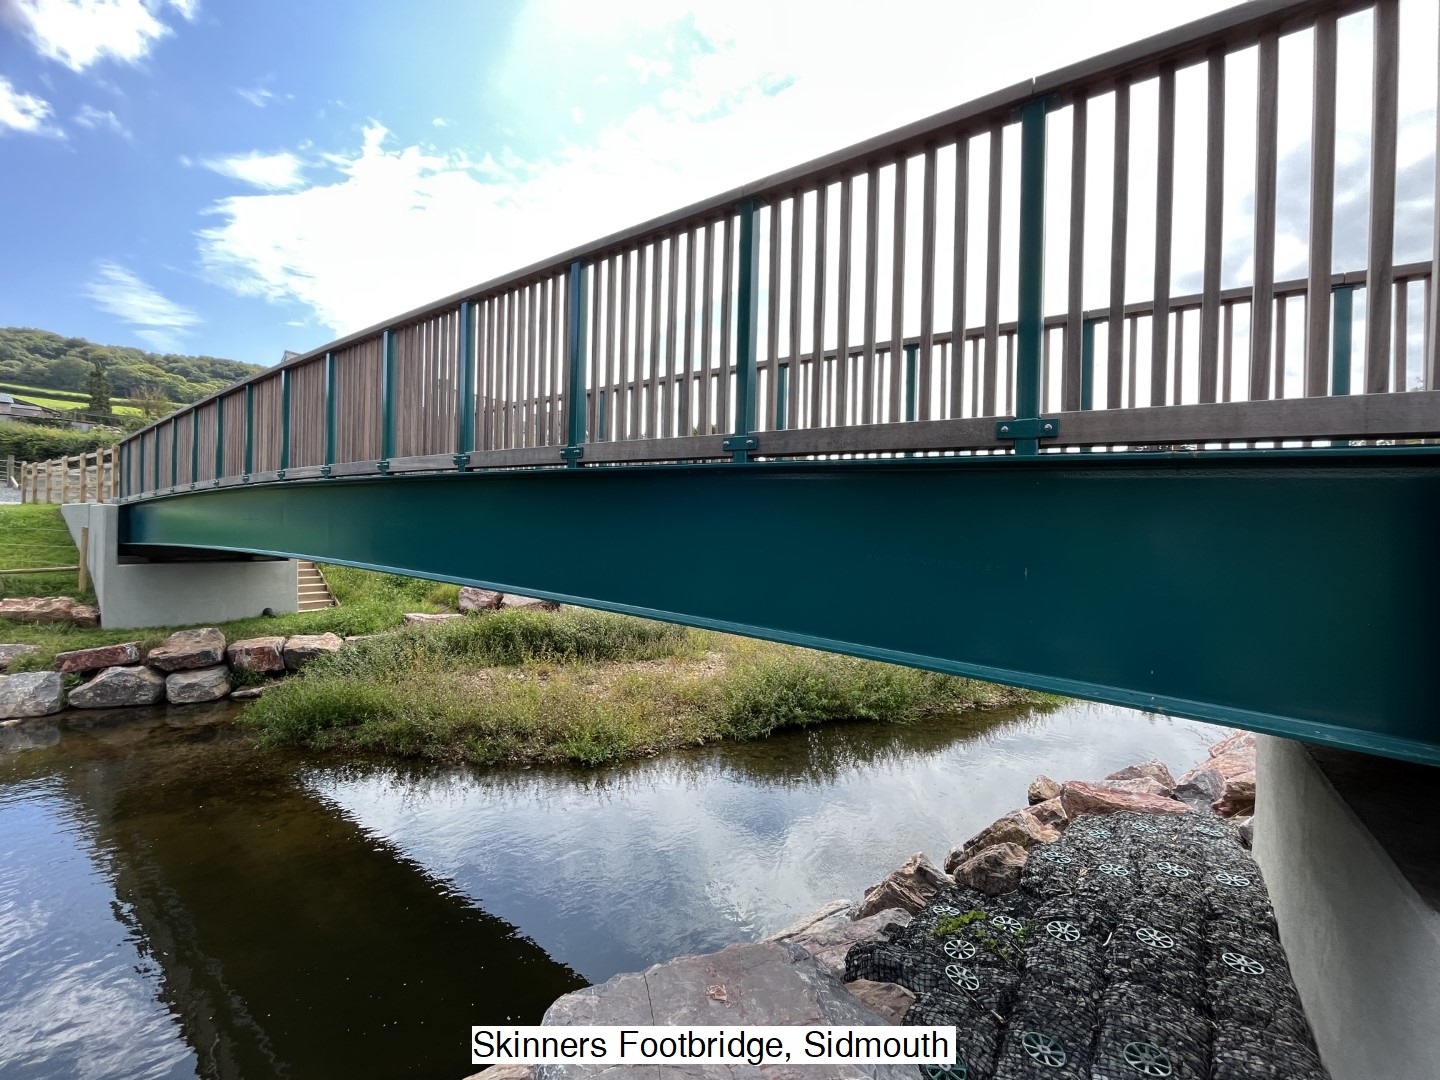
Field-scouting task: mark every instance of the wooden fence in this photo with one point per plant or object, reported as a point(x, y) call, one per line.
point(876, 300)
point(91, 477)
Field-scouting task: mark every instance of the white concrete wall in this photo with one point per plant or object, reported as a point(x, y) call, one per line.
point(1364, 946)
point(140, 594)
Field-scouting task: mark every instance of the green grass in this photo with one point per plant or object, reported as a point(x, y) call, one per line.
point(585, 687)
point(35, 535)
point(49, 398)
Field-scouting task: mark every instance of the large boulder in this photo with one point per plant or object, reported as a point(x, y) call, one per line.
point(263, 654)
point(1200, 787)
point(473, 599)
point(48, 609)
point(118, 687)
point(1042, 788)
point(1236, 742)
point(302, 648)
point(101, 657)
point(31, 693)
point(1050, 812)
point(993, 870)
point(531, 603)
point(1079, 798)
point(194, 687)
point(1142, 785)
point(910, 887)
point(830, 933)
point(14, 652)
point(1155, 770)
point(752, 984)
point(200, 648)
point(1018, 827)
point(1238, 796)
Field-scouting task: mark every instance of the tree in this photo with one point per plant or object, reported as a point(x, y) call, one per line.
point(99, 387)
point(151, 400)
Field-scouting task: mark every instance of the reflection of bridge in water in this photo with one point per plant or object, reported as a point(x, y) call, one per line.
point(1220, 504)
point(221, 861)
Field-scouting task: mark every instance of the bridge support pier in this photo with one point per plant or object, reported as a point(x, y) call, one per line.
point(1349, 850)
point(177, 588)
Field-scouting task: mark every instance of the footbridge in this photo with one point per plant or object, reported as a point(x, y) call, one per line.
point(1037, 390)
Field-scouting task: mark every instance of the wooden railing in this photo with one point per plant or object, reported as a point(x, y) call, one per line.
point(91, 477)
point(853, 305)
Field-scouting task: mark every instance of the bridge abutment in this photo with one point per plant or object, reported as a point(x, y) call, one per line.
point(138, 591)
point(1351, 856)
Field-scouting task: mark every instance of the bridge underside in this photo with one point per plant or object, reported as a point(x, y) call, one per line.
point(1291, 592)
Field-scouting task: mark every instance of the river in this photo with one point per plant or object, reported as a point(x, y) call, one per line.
point(175, 903)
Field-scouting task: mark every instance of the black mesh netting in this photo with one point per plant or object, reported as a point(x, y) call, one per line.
point(1136, 946)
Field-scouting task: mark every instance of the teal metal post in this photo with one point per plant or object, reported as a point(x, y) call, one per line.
point(782, 396)
point(912, 354)
point(329, 410)
point(174, 454)
point(1344, 299)
point(747, 327)
point(140, 458)
point(465, 382)
point(219, 439)
point(249, 429)
point(155, 438)
point(575, 356)
point(194, 447)
point(1030, 327)
point(284, 420)
point(600, 417)
point(387, 445)
point(1087, 365)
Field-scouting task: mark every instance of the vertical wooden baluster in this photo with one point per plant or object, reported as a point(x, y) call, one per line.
point(797, 283)
point(1262, 302)
point(992, 271)
point(707, 307)
point(1164, 220)
point(1070, 377)
point(1322, 213)
point(1380, 271)
point(897, 294)
point(1119, 220)
point(842, 310)
point(959, 282)
point(927, 289)
point(817, 365)
point(1214, 236)
point(872, 270)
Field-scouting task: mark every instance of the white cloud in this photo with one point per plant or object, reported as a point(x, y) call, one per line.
point(259, 96)
point(78, 33)
point(271, 172)
point(93, 118)
point(441, 122)
point(25, 113)
point(163, 322)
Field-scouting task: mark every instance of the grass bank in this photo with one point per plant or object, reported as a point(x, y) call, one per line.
point(585, 687)
point(35, 535)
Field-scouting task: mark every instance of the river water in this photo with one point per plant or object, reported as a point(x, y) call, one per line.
point(176, 903)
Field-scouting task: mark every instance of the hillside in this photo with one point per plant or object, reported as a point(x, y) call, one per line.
point(38, 358)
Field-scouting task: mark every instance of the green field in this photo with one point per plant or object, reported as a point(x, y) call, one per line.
point(65, 399)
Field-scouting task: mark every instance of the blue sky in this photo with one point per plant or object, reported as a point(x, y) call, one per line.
point(238, 178)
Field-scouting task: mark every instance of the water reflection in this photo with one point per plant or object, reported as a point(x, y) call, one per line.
point(175, 903)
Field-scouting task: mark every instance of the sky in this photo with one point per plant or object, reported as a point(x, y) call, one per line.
point(241, 178)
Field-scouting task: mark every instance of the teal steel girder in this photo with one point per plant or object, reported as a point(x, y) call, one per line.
point(1288, 592)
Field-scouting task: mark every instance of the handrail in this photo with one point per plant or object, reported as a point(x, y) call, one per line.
point(575, 357)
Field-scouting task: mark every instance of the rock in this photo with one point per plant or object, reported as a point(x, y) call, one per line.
point(909, 887)
point(1238, 796)
point(1245, 827)
point(819, 917)
point(1199, 788)
point(249, 693)
point(473, 599)
point(1081, 798)
point(1018, 827)
point(193, 687)
point(1155, 770)
point(828, 939)
point(119, 686)
point(1232, 764)
point(1239, 741)
point(302, 648)
point(186, 649)
point(759, 983)
point(48, 609)
point(1042, 789)
point(257, 654)
point(31, 693)
point(1140, 785)
point(993, 870)
point(417, 617)
point(95, 659)
point(889, 1001)
point(12, 652)
point(531, 603)
point(1050, 812)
